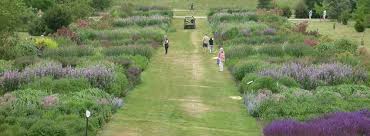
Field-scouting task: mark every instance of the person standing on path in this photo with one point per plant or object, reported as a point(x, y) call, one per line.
point(310, 14)
point(324, 15)
point(205, 42)
point(221, 59)
point(211, 44)
point(166, 45)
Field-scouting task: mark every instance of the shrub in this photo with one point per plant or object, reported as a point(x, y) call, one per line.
point(301, 27)
point(360, 26)
point(287, 12)
point(140, 61)
point(269, 31)
point(341, 123)
point(253, 83)
point(120, 85)
point(240, 69)
point(38, 27)
point(67, 33)
point(344, 45)
point(266, 4)
point(301, 10)
point(47, 128)
point(56, 18)
point(22, 62)
point(273, 50)
point(101, 4)
point(44, 42)
point(40, 4)
point(61, 86)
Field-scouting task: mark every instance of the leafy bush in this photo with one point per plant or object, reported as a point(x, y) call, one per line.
point(47, 128)
point(56, 18)
point(42, 43)
point(38, 27)
point(140, 61)
point(266, 4)
point(273, 50)
point(120, 85)
point(101, 4)
point(340, 123)
point(301, 10)
point(344, 45)
point(61, 86)
point(287, 12)
point(5, 66)
point(240, 69)
point(133, 75)
point(22, 62)
point(40, 4)
point(360, 26)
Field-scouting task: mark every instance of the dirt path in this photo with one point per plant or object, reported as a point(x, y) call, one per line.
point(183, 94)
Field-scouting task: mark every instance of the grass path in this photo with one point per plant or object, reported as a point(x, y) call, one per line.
point(183, 94)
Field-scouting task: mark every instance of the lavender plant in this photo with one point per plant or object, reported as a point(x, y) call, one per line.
point(335, 124)
point(312, 76)
point(142, 21)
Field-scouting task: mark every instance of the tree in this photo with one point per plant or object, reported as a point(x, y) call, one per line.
point(79, 8)
point(337, 7)
point(301, 10)
point(362, 12)
point(264, 4)
point(101, 4)
point(40, 4)
point(56, 18)
point(10, 19)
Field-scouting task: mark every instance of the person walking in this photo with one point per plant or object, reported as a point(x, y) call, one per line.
point(310, 14)
point(211, 44)
point(166, 45)
point(205, 42)
point(324, 15)
point(221, 59)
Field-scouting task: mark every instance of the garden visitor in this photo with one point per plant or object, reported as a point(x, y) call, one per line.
point(205, 42)
point(192, 6)
point(221, 59)
point(211, 43)
point(166, 45)
point(324, 15)
point(310, 14)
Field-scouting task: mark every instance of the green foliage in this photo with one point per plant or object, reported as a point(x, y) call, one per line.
point(360, 26)
point(62, 86)
point(344, 17)
point(37, 28)
point(344, 45)
point(22, 62)
point(272, 50)
point(46, 128)
point(287, 12)
point(140, 61)
point(301, 10)
point(264, 4)
point(337, 7)
point(40, 4)
point(79, 8)
point(57, 17)
point(101, 4)
point(42, 43)
point(5, 66)
point(241, 69)
point(120, 85)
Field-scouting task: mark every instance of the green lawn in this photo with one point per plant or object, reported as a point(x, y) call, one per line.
point(341, 31)
point(183, 94)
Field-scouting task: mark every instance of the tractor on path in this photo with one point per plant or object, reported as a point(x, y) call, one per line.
point(189, 23)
